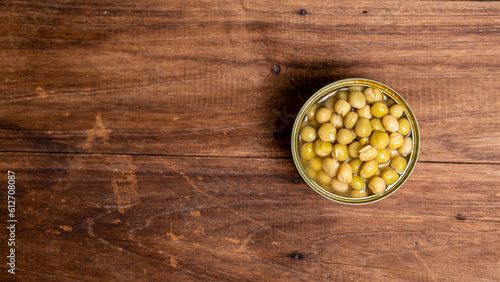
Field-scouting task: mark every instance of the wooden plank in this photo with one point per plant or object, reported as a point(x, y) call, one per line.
point(174, 79)
point(118, 217)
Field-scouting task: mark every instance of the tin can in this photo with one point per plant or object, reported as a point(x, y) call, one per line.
point(329, 90)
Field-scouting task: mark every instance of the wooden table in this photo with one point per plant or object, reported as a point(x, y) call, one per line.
point(150, 140)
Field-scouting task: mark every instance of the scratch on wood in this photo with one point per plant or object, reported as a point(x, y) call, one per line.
point(195, 213)
point(174, 237)
point(52, 231)
point(41, 92)
point(90, 230)
point(66, 228)
point(99, 131)
point(192, 184)
point(425, 265)
point(232, 240)
point(199, 231)
point(413, 220)
point(173, 262)
point(125, 190)
point(125, 194)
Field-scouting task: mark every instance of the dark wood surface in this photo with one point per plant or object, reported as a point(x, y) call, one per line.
point(151, 140)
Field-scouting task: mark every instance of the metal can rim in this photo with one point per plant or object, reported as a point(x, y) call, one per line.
point(342, 84)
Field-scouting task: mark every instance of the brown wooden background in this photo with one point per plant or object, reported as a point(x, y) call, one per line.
point(150, 139)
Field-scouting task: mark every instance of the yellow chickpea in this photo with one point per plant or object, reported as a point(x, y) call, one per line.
point(331, 166)
point(322, 148)
point(323, 115)
point(307, 151)
point(345, 173)
point(377, 185)
point(308, 134)
point(404, 126)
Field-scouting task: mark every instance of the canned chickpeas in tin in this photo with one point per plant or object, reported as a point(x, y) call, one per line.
point(355, 141)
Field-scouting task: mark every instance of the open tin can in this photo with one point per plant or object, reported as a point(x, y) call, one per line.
point(330, 90)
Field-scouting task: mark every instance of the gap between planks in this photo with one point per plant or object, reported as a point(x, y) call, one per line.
point(203, 156)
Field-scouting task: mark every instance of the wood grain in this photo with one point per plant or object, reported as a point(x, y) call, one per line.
point(196, 80)
point(152, 141)
point(144, 217)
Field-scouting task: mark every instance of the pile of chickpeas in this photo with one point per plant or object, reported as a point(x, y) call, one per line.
point(356, 142)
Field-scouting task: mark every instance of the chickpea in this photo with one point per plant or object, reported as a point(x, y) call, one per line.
point(389, 175)
point(389, 102)
point(308, 134)
point(323, 115)
point(339, 187)
point(345, 173)
point(337, 121)
point(379, 140)
point(398, 163)
point(311, 172)
point(323, 179)
point(350, 120)
point(394, 153)
point(303, 124)
point(359, 194)
point(387, 164)
point(357, 183)
point(344, 136)
point(357, 99)
point(369, 169)
point(396, 110)
point(313, 123)
point(384, 156)
point(367, 153)
point(327, 132)
point(395, 140)
point(372, 95)
point(330, 102)
point(353, 149)
point(340, 152)
point(342, 107)
point(365, 112)
point(363, 127)
point(331, 166)
point(354, 135)
point(377, 185)
point(407, 146)
point(404, 126)
point(342, 95)
point(379, 110)
point(316, 163)
point(311, 113)
point(390, 123)
point(377, 125)
point(356, 88)
point(356, 165)
point(307, 151)
point(364, 141)
point(322, 148)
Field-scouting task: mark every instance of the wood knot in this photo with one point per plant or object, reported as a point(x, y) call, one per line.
point(302, 12)
point(275, 69)
point(296, 255)
point(460, 216)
